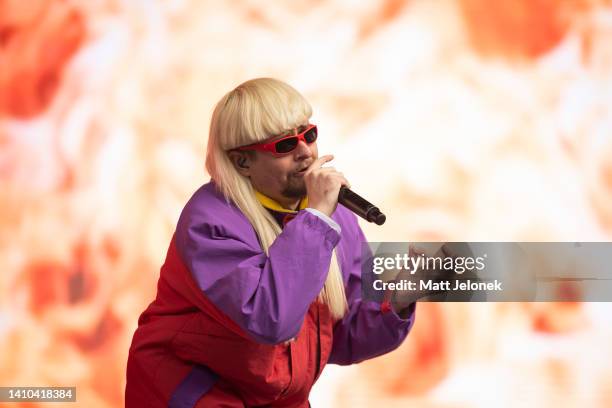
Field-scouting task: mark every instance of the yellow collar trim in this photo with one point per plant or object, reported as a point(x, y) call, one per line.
point(275, 206)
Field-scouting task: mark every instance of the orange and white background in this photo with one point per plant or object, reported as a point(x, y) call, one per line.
point(467, 120)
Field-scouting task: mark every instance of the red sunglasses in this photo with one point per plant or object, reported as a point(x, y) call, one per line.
point(285, 144)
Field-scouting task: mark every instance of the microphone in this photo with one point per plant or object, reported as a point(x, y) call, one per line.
point(360, 206)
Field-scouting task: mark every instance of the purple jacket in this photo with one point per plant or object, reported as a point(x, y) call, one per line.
point(266, 297)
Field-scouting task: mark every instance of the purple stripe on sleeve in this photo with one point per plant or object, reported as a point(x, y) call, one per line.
point(197, 383)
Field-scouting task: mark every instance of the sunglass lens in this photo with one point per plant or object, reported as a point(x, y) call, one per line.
point(311, 135)
point(286, 145)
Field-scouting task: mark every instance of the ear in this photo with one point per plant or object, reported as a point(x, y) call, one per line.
point(241, 161)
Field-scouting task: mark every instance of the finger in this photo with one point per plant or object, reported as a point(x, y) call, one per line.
point(447, 252)
point(328, 172)
point(320, 162)
point(419, 250)
point(345, 182)
point(325, 169)
point(411, 252)
point(340, 177)
point(414, 250)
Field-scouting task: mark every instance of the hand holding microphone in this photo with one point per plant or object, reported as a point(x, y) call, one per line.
point(327, 187)
point(323, 185)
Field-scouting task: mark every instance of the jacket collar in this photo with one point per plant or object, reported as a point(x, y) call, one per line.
point(273, 205)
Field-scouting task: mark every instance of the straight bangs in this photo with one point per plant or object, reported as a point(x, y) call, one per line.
point(260, 109)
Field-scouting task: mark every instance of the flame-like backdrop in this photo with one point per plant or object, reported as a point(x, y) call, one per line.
point(468, 120)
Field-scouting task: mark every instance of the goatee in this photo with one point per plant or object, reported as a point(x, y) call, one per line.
point(295, 190)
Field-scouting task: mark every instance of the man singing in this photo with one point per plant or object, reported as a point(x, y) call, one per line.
point(261, 286)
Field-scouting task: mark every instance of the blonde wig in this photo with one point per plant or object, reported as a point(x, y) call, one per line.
point(253, 112)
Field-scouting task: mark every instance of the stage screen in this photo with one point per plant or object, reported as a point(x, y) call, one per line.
point(467, 120)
